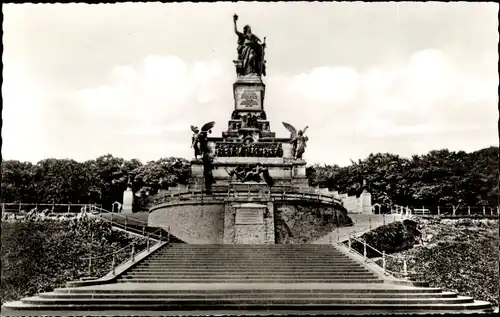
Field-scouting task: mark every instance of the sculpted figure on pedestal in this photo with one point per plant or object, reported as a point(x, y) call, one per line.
point(298, 140)
point(250, 52)
point(200, 145)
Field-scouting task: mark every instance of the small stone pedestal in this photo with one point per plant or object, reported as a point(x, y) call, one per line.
point(248, 222)
point(128, 201)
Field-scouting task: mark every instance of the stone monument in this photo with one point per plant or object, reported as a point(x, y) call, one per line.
point(248, 148)
point(248, 157)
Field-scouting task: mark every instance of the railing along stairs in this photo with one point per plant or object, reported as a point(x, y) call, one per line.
point(382, 257)
point(152, 239)
point(443, 211)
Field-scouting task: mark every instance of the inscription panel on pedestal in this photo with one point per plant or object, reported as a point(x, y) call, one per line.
point(248, 98)
point(249, 216)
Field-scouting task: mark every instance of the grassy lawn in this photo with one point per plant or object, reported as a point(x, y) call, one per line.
point(40, 256)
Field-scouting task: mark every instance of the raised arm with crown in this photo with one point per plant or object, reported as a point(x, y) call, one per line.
point(250, 52)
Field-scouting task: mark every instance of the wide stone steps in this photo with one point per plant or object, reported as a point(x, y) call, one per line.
point(251, 274)
point(249, 278)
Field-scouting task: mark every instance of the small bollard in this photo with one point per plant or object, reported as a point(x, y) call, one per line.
point(90, 266)
point(133, 251)
point(125, 223)
point(383, 260)
point(349, 242)
point(113, 263)
point(147, 243)
point(468, 210)
point(338, 235)
point(143, 230)
point(364, 248)
point(160, 233)
point(405, 272)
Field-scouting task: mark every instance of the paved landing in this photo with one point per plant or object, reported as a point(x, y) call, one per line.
point(361, 224)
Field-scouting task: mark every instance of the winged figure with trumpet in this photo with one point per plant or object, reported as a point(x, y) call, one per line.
point(298, 140)
point(199, 140)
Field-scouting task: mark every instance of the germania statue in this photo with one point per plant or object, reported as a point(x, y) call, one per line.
point(250, 52)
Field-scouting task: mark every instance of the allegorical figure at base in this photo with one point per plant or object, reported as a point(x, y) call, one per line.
point(200, 145)
point(298, 140)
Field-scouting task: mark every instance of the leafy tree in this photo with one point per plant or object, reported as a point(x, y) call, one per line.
point(440, 177)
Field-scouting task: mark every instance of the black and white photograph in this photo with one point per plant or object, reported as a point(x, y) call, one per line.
point(250, 158)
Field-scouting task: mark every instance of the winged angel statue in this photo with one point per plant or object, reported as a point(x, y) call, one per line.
point(199, 140)
point(298, 140)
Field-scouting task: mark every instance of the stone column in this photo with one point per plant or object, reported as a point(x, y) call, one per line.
point(366, 202)
point(128, 200)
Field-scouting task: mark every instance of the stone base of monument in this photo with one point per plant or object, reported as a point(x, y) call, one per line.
point(286, 173)
point(248, 222)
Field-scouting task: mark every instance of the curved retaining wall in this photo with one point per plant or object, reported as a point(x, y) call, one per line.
point(191, 221)
point(202, 222)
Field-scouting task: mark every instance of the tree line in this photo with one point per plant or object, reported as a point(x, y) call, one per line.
point(100, 181)
point(440, 177)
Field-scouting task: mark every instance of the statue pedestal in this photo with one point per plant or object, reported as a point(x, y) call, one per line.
point(249, 93)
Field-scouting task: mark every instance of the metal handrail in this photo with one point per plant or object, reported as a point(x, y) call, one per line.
point(384, 256)
point(133, 251)
point(113, 214)
point(287, 195)
point(141, 232)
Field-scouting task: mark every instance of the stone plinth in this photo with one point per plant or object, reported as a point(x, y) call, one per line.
point(285, 172)
point(128, 201)
point(366, 202)
point(249, 93)
point(248, 222)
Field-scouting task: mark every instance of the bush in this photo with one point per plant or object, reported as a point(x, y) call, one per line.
point(391, 238)
point(462, 256)
point(41, 256)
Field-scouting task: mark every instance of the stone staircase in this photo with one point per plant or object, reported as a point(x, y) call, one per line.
point(252, 279)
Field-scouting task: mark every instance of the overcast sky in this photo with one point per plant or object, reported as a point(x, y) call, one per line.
point(129, 79)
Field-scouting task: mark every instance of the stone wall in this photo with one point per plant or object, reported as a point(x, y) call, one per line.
point(191, 221)
point(353, 204)
point(302, 223)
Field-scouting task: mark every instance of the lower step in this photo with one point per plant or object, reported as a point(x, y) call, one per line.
point(154, 280)
point(460, 304)
point(245, 275)
point(247, 301)
point(238, 294)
